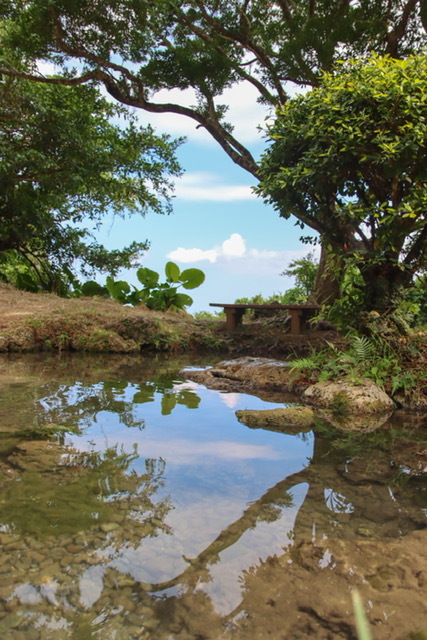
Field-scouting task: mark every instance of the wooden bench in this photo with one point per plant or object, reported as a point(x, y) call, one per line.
point(299, 313)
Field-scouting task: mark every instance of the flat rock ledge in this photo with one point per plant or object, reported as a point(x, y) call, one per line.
point(269, 378)
point(347, 405)
point(289, 420)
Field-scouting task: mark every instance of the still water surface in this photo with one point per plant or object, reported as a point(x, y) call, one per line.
point(146, 511)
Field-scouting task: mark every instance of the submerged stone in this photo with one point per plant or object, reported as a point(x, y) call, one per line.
point(287, 420)
point(354, 422)
point(106, 527)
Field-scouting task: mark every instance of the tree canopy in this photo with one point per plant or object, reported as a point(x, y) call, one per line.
point(137, 50)
point(65, 162)
point(350, 159)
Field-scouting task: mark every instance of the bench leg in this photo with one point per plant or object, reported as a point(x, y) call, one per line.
point(297, 321)
point(233, 318)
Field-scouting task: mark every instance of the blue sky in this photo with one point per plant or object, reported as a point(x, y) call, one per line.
point(218, 224)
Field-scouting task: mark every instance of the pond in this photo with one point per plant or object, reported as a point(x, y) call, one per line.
point(151, 513)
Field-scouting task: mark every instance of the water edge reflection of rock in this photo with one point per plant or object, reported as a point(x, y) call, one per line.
point(361, 522)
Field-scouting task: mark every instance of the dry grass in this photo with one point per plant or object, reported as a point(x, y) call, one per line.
point(44, 321)
point(15, 304)
point(34, 322)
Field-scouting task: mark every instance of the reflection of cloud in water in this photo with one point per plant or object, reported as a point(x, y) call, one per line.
point(231, 399)
point(186, 386)
point(185, 451)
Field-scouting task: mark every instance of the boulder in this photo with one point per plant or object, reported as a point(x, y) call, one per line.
point(344, 397)
point(290, 420)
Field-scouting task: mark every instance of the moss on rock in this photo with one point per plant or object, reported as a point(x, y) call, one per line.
point(287, 420)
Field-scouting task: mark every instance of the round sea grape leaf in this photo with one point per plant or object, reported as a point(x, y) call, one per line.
point(172, 272)
point(182, 300)
point(147, 277)
point(192, 278)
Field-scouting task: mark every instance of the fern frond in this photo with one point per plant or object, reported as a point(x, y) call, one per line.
point(363, 348)
point(309, 363)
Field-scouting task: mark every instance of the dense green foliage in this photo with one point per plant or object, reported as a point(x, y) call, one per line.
point(350, 159)
point(136, 50)
point(304, 271)
point(66, 161)
point(155, 295)
point(374, 358)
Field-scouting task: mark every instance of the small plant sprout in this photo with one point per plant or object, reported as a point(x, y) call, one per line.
point(362, 624)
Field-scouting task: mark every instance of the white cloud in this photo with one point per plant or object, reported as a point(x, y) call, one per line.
point(257, 253)
point(244, 260)
point(232, 247)
point(208, 186)
point(193, 255)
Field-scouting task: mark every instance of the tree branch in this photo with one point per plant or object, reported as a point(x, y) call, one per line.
point(417, 249)
point(72, 82)
point(398, 32)
point(247, 44)
point(236, 151)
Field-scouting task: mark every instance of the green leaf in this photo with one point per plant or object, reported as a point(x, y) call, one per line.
point(172, 272)
point(192, 278)
point(147, 277)
point(182, 300)
point(118, 289)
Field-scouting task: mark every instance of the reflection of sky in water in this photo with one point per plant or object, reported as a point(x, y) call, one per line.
point(207, 451)
point(163, 558)
point(215, 468)
point(86, 547)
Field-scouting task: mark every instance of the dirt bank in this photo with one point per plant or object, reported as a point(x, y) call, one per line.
point(43, 321)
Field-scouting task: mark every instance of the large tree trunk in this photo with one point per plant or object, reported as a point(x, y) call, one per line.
point(385, 285)
point(327, 284)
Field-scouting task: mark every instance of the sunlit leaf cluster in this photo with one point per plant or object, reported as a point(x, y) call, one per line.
point(159, 296)
point(349, 160)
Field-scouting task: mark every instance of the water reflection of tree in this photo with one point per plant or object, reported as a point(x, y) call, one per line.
point(83, 404)
point(359, 486)
point(61, 521)
point(355, 490)
point(84, 492)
